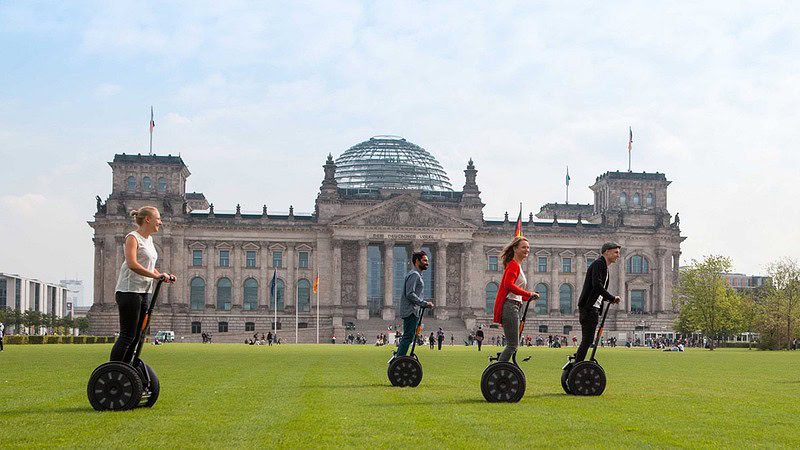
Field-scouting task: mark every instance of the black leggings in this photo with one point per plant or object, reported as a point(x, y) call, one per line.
point(132, 305)
point(588, 319)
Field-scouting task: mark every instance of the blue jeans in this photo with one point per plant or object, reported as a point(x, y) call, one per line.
point(409, 332)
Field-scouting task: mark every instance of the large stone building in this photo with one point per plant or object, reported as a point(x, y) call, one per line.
point(378, 202)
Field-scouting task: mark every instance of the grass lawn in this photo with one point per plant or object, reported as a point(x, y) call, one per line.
point(226, 395)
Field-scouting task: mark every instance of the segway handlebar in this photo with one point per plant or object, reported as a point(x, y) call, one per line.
point(600, 330)
point(417, 330)
point(145, 320)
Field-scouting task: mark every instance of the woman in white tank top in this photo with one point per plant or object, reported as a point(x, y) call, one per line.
point(136, 279)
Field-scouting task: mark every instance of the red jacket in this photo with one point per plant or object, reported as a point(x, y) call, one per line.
point(507, 286)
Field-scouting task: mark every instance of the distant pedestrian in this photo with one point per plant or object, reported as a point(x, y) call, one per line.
point(479, 337)
point(432, 340)
point(440, 337)
point(452, 339)
point(269, 338)
point(2, 328)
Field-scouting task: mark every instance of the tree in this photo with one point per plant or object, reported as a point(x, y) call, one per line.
point(705, 301)
point(82, 323)
point(66, 323)
point(749, 311)
point(17, 320)
point(783, 294)
point(45, 321)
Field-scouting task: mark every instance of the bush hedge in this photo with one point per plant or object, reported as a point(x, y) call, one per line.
point(15, 339)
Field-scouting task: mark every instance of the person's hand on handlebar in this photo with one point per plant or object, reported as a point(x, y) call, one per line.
point(429, 305)
point(616, 300)
point(167, 278)
point(534, 296)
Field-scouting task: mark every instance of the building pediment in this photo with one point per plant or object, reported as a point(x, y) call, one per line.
point(403, 211)
point(251, 246)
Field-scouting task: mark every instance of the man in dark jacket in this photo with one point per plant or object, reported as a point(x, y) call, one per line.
point(592, 296)
point(411, 301)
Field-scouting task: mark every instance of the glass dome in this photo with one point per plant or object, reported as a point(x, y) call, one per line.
point(390, 162)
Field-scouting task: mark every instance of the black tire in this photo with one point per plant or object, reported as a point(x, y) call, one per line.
point(154, 388)
point(405, 371)
point(564, 376)
point(114, 386)
point(587, 378)
point(503, 382)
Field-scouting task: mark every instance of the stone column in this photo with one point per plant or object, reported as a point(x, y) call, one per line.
point(264, 297)
point(178, 267)
point(112, 273)
point(99, 259)
point(235, 260)
point(362, 313)
point(555, 307)
point(467, 281)
point(625, 304)
point(440, 282)
point(211, 276)
point(388, 280)
point(416, 246)
point(166, 266)
point(336, 277)
point(578, 266)
point(290, 292)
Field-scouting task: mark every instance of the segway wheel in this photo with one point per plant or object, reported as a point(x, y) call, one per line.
point(152, 390)
point(587, 378)
point(565, 376)
point(503, 382)
point(405, 371)
point(114, 386)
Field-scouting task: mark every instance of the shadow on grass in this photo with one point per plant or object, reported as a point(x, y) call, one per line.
point(344, 386)
point(19, 412)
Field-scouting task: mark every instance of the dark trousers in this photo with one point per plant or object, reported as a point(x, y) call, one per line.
point(588, 318)
point(1, 344)
point(440, 343)
point(480, 341)
point(132, 305)
point(409, 332)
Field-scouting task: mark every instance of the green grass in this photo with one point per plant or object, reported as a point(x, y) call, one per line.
point(338, 396)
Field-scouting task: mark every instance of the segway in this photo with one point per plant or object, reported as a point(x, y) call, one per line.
point(406, 371)
point(505, 381)
point(585, 377)
point(119, 386)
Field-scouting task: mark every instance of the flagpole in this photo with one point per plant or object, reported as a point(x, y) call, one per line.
point(568, 185)
point(630, 145)
point(317, 306)
point(275, 296)
point(151, 129)
point(296, 316)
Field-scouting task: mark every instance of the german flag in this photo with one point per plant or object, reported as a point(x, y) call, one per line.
point(518, 231)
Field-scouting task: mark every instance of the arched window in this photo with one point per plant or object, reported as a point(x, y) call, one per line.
point(131, 184)
point(637, 264)
point(197, 294)
point(623, 199)
point(279, 290)
point(146, 184)
point(250, 294)
point(491, 293)
point(541, 303)
point(224, 294)
point(565, 299)
point(162, 185)
point(303, 296)
point(650, 200)
point(636, 199)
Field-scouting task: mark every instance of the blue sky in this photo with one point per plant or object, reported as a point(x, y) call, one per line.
point(254, 97)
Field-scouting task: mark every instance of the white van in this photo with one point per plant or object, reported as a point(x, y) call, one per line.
point(165, 336)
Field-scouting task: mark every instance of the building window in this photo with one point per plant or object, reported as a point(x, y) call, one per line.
point(277, 260)
point(302, 262)
point(196, 328)
point(131, 184)
point(649, 200)
point(542, 264)
point(18, 295)
point(493, 266)
point(3, 293)
point(637, 264)
point(224, 258)
point(250, 294)
point(567, 329)
point(566, 265)
point(36, 295)
point(623, 199)
point(162, 185)
point(303, 296)
point(491, 294)
point(250, 258)
point(589, 262)
point(565, 299)
point(197, 258)
point(224, 294)
point(636, 199)
point(197, 293)
point(637, 301)
point(302, 324)
point(146, 184)
point(542, 328)
point(222, 327)
point(278, 291)
point(541, 302)
point(249, 326)
point(273, 326)
point(375, 277)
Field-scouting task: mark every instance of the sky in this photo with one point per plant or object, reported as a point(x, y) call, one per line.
point(254, 96)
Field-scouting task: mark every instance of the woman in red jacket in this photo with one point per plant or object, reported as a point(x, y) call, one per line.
point(512, 293)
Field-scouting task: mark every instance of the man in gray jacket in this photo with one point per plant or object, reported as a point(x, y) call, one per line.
point(411, 301)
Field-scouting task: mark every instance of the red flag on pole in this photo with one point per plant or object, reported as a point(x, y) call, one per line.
point(518, 231)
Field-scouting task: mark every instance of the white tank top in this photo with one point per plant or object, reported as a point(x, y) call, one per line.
point(146, 255)
point(521, 282)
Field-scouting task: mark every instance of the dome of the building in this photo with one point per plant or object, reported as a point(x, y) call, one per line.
point(390, 162)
